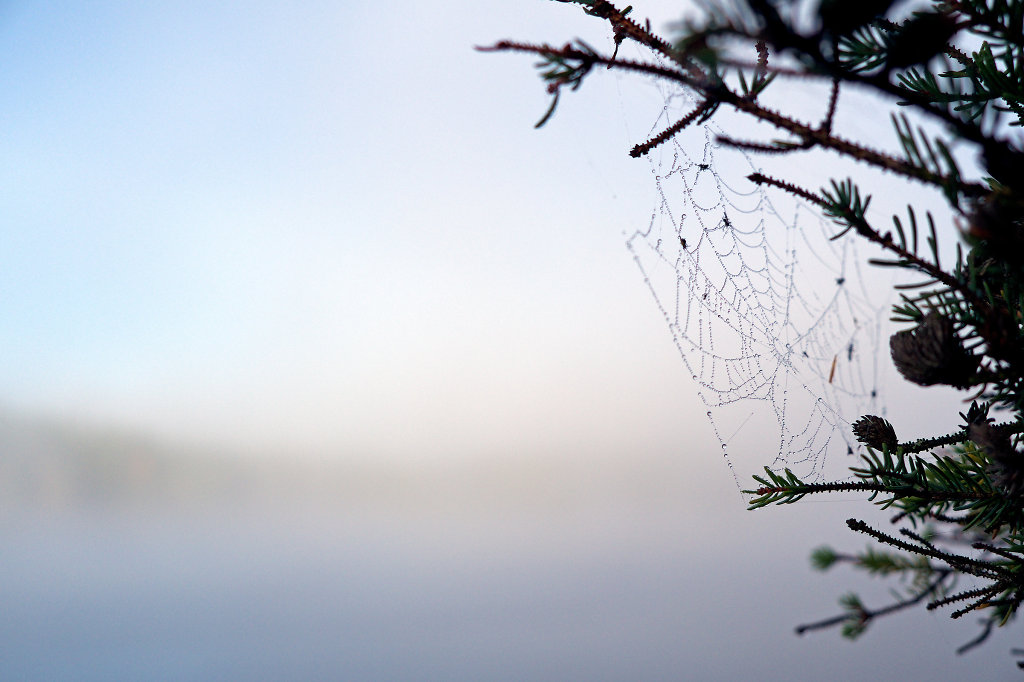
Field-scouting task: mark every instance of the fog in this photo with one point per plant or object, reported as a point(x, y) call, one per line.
point(322, 363)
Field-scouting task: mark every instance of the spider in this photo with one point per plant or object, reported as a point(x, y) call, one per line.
point(682, 242)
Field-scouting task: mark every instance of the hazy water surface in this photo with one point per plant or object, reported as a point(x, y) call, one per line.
point(277, 594)
point(118, 561)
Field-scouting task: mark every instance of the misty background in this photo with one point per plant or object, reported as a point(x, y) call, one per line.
point(322, 363)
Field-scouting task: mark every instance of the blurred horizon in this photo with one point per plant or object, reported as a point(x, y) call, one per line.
point(51, 465)
point(126, 559)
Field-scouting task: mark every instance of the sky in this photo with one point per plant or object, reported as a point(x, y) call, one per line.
point(329, 231)
point(273, 227)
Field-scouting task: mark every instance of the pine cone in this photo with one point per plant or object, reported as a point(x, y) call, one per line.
point(875, 432)
point(920, 38)
point(931, 353)
point(996, 226)
point(841, 17)
point(1005, 464)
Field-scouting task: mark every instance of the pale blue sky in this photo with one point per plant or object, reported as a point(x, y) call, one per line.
point(330, 228)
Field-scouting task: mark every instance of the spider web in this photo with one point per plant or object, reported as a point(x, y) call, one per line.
point(776, 323)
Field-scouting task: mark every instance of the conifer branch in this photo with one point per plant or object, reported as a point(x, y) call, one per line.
point(923, 444)
point(968, 324)
point(862, 616)
point(833, 101)
point(962, 563)
point(701, 112)
point(810, 197)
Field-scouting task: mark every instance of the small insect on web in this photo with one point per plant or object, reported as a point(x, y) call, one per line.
point(774, 320)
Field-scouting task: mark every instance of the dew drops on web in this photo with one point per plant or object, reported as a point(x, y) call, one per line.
point(782, 357)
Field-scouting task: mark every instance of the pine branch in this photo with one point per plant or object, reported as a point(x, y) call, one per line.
point(968, 324)
point(923, 444)
point(863, 615)
point(715, 91)
point(779, 35)
point(699, 114)
point(961, 563)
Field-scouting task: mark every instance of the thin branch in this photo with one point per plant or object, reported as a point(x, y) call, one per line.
point(833, 100)
point(962, 563)
point(963, 596)
point(986, 630)
point(810, 197)
point(716, 91)
point(922, 444)
point(997, 550)
point(866, 615)
point(665, 135)
point(775, 147)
